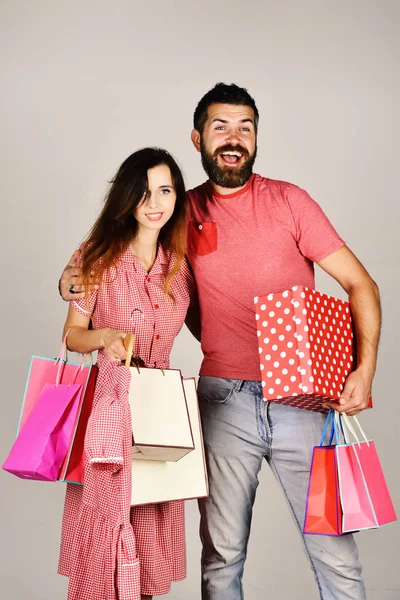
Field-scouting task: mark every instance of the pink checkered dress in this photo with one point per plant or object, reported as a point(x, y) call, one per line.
point(110, 550)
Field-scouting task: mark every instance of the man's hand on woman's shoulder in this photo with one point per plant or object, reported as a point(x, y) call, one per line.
point(71, 285)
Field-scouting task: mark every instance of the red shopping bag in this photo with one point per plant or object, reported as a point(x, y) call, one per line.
point(364, 494)
point(73, 468)
point(323, 510)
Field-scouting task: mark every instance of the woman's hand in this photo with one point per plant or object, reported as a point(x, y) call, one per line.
point(112, 341)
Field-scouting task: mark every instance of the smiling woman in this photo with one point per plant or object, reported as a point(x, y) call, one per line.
point(136, 251)
point(158, 202)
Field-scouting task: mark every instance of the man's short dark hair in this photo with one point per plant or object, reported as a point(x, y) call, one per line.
point(223, 93)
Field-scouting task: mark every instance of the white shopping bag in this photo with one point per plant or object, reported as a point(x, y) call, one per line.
point(160, 419)
point(157, 481)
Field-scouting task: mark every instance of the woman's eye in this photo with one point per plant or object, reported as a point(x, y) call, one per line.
point(165, 191)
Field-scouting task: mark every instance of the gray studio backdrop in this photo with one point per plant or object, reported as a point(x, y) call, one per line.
point(86, 83)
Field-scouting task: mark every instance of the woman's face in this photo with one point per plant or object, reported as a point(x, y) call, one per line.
point(158, 202)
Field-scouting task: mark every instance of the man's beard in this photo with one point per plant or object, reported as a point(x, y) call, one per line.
point(228, 177)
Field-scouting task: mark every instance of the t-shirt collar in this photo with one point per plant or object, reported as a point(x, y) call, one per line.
point(234, 194)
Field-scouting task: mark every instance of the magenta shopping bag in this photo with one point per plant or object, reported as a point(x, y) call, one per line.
point(49, 370)
point(364, 494)
point(43, 441)
point(50, 383)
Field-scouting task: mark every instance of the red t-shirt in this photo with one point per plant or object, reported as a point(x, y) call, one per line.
point(259, 240)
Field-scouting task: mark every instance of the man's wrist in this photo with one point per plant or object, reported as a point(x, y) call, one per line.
point(366, 370)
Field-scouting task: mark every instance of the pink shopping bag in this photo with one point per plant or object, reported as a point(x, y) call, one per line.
point(52, 371)
point(43, 441)
point(364, 494)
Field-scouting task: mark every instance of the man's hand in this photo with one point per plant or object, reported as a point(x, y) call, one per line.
point(355, 395)
point(71, 283)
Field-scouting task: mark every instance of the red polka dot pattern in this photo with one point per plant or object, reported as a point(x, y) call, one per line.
point(306, 347)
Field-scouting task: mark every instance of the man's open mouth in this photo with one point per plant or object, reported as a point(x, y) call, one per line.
point(231, 158)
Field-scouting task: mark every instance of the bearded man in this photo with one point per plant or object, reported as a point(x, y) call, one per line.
point(250, 235)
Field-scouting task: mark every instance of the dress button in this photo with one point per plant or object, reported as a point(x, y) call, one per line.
point(200, 226)
point(147, 278)
point(157, 337)
point(156, 306)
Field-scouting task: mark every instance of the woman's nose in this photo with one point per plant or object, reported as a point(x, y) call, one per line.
point(151, 201)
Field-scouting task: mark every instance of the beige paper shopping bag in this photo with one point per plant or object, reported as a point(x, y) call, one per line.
point(160, 419)
point(157, 481)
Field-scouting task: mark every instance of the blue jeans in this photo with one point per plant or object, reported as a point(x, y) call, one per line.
point(240, 429)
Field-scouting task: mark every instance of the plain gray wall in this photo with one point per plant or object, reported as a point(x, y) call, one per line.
point(86, 83)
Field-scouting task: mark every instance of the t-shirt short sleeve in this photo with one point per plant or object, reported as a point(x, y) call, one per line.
point(315, 235)
point(191, 284)
point(86, 305)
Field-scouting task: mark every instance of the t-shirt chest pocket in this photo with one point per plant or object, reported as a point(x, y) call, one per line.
point(202, 238)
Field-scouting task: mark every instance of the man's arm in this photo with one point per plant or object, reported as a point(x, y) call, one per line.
point(71, 278)
point(364, 300)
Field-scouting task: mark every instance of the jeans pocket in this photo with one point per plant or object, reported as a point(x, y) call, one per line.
point(215, 389)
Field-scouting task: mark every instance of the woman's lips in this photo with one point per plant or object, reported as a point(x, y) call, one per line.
point(154, 216)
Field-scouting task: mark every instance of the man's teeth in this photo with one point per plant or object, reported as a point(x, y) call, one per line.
point(232, 154)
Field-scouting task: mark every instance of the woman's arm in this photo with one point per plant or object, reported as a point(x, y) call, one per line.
point(80, 339)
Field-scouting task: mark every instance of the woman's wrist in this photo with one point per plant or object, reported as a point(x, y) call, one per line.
point(101, 338)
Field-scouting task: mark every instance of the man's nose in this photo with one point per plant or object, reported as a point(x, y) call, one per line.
point(232, 137)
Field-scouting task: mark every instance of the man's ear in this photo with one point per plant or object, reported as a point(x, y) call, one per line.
point(196, 137)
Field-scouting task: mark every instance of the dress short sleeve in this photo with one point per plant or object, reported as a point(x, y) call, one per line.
point(315, 235)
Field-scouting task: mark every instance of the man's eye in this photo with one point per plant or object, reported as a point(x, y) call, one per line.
point(244, 129)
point(220, 127)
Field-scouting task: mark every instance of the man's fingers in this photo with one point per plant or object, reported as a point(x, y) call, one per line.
point(71, 276)
point(78, 281)
point(70, 297)
point(75, 278)
point(73, 259)
point(347, 392)
point(78, 289)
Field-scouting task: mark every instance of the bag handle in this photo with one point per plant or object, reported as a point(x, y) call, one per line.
point(333, 432)
point(346, 420)
point(129, 342)
point(61, 358)
point(80, 368)
point(336, 428)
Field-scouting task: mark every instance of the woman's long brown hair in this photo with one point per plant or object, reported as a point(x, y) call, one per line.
point(116, 226)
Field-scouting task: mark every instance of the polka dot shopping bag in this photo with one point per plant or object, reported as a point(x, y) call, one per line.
point(306, 345)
